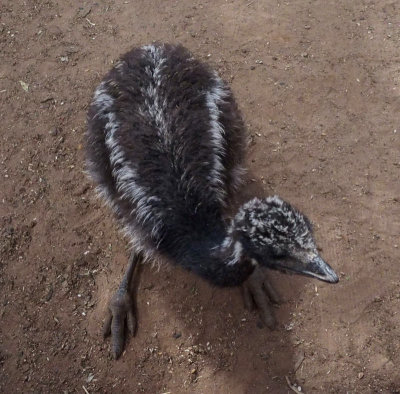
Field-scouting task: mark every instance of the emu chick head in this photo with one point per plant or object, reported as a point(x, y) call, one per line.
point(277, 236)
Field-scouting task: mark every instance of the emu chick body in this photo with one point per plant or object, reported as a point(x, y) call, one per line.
point(165, 145)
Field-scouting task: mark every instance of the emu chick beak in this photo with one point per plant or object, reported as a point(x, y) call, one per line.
point(321, 270)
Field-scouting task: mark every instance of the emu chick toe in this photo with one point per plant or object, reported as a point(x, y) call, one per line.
point(258, 292)
point(120, 316)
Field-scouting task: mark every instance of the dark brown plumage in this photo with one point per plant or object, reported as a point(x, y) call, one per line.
point(165, 145)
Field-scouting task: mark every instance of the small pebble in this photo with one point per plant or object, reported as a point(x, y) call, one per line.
point(24, 85)
point(54, 132)
point(360, 375)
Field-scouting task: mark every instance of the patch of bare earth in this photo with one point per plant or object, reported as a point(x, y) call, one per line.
point(318, 83)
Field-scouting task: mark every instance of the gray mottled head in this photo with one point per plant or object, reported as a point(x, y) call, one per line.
point(278, 236)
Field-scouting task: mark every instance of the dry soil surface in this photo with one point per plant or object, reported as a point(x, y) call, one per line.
point(318, 82)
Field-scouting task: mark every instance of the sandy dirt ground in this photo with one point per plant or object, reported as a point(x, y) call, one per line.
point(318, 82)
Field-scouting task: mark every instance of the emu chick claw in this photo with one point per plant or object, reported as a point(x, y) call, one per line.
point(259, 292)
point(120, 312)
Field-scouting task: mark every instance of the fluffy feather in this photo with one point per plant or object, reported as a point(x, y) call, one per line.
point(165, 145)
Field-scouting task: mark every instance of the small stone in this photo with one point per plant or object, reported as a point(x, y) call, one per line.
point(90, 378)
point(304, 54)
point(176, 335)
point(360, 375)
point(24, 85)
point(49, 294)
point(54, 132)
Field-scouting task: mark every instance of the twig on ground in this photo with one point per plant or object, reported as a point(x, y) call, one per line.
point(85, 390)
point(292, 386)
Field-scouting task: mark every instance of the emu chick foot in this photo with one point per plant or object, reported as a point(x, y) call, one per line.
point(120, 314)
point(259, 292)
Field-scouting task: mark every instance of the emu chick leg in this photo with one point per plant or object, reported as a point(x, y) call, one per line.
point(257, 290)
point(120, 310)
